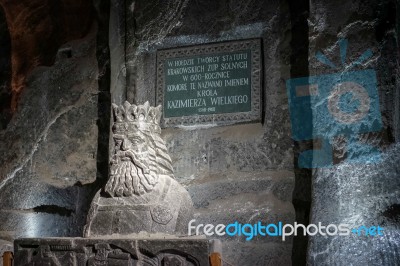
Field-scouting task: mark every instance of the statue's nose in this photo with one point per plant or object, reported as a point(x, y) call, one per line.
point(124, 145)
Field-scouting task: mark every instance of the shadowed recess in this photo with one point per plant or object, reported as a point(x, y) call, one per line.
point(53, 209)
point(299, 13)
point(5, 73)
point(393, 213)
point(37, 29)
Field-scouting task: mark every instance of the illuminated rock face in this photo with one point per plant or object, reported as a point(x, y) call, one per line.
point(141, 194)
point(49, 147)
point(364, 193)
point(358, 195)
point(242, 172)
point(37, 29)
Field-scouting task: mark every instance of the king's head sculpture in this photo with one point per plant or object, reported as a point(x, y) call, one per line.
point(141, 194)
point(140, 154)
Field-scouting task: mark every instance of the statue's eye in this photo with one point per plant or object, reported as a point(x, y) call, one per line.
point(136, 140)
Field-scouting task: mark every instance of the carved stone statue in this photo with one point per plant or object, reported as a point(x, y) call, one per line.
point(141, 193)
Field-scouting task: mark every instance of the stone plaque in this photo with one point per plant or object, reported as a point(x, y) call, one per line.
point(217, 83)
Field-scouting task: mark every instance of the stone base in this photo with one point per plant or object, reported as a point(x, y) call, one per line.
point(113, 251)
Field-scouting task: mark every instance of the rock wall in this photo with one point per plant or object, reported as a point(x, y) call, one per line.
point(234, 173)
point(37, 29)
point(55, 119)
point(52, 145)
point(362, 193)
point(5, 70)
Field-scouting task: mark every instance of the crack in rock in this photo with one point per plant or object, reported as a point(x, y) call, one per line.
point(42, 136)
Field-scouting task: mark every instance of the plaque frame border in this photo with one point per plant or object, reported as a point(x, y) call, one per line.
point(254, 115)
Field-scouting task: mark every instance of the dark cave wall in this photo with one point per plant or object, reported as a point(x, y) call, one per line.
point(5, 72)
point(54, 115)
point(51, 148)
point(37, 29)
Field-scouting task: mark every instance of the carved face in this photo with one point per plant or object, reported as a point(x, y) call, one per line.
point(136, 142)
point(140, 154)
point(135, 146)
point(133, 168)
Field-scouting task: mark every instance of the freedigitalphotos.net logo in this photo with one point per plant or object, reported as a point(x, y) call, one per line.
point(249, 231)
point(332, 107)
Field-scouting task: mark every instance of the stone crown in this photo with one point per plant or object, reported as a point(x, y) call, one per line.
point(140, 116)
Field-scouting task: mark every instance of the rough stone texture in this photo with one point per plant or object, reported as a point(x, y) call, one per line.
point(5, 73)
point(103, 251)
point(52, 148)
point(366, 25)
point(240, 172)
point(243, 172)
point(37, 29)
point(141, 194)
point(359, 194)
point(117, 51)
point(42, 153)
point(167, 209)
point(49, 25)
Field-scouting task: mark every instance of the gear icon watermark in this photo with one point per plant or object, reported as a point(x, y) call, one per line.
point(340, 105)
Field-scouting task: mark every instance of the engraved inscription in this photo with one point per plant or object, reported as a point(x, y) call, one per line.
point(208, 84)
point(218, 83)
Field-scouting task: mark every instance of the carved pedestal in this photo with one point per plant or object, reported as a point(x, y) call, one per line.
point(112, 251)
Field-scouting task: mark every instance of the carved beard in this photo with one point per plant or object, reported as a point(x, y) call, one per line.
point(130, 175)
